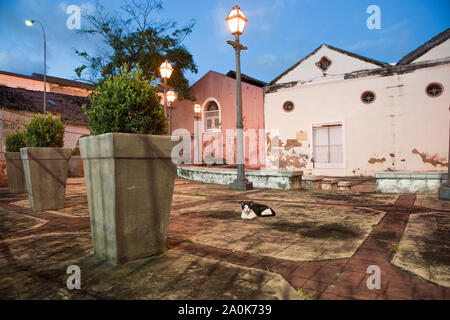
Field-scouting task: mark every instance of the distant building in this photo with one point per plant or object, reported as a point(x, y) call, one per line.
point(216, 93)
point(341, 114)
point(22, 96)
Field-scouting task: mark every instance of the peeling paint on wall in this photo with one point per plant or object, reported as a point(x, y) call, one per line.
point(375, 160)
point(434, 159)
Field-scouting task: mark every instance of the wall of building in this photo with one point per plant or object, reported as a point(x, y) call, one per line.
point(222, 89)
point(11, 120)
point(403, 129)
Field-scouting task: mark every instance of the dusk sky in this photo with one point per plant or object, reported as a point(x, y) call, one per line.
point(279, 32)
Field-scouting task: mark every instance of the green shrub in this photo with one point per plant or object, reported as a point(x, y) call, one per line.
point(126, 102)
point(15, 141)
point(45, 131)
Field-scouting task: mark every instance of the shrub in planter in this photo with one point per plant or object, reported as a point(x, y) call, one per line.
point(45, 162)
point(14, 167)
point(128, 169)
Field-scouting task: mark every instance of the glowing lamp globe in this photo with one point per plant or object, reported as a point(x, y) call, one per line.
point(166, 70)
point(236, 21)
point(197, 108)
point(171, 96)
point(29, 22)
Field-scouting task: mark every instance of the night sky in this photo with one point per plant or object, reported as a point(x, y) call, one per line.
point(279, 32)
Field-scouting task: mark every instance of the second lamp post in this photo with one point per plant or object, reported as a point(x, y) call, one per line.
point(236, 22)
point(169, 96)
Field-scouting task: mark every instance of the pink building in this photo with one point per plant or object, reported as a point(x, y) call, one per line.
point(216, 93)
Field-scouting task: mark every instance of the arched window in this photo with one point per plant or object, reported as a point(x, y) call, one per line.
point(212, 117)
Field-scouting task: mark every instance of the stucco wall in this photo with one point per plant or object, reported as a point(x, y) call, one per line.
point(403, 129)
point(223, 90)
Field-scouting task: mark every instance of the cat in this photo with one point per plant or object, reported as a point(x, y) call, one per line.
point(251, 210)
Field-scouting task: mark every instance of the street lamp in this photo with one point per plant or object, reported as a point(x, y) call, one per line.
point(166, 71)
point(197, 117)
point(197, 111)
point(171, 96)
point(30, 23)
point(236, 23)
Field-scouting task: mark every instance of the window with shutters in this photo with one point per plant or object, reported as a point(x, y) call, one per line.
point(328, 146)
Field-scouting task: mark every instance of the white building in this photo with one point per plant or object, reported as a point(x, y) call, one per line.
point(341, 114)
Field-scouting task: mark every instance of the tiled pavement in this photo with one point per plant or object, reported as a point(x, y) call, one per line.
point(339, 278)
point(324, 279)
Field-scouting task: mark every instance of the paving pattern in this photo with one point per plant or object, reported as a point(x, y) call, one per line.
point(305, 247)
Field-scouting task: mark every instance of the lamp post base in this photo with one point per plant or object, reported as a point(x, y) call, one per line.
point(241, 185)
point(444, 192)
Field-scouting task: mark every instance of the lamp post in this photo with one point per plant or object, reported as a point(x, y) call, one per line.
point(171, 96)
point(30, 23)
point(166, 71)
point(236, 23)
point(197, 116)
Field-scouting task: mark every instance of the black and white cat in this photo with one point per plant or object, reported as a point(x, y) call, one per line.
point(251, 210)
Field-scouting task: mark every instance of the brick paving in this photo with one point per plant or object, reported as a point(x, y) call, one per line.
point(323, 279)
point(341, 278)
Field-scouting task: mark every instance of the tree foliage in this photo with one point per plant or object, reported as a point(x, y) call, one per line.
point(126, 102)
point(134, 37)
point(45, 131)
point(15, 141)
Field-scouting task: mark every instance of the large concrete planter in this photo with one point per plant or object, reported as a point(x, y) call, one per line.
point(46, 176)
point(16, 176)
point(129, 182)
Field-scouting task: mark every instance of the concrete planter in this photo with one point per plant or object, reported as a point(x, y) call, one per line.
point(46, 176)
point(16, 176)
point(76, 167)
point(129, 182)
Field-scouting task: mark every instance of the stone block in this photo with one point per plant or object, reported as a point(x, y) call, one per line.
point(344, 186)
point(311, 182)
point(410, 182)
point(329, 183)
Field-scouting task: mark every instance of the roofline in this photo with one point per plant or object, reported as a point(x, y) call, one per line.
point(424, 48)
point(223, 75)
point(354, 55)
point(37, 76)
point(247, 79)
point(383, 72)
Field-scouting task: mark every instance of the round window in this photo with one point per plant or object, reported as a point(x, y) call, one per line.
point(368, 97)
point(434, 89)
point(288, 106)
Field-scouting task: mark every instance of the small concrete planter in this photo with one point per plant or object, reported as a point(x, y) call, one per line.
point(76, 167)
point(16, 176)
point(46, 176)
point(129, 182)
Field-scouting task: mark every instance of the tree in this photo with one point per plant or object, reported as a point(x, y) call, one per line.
point(126, 102)
point(135, 38)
